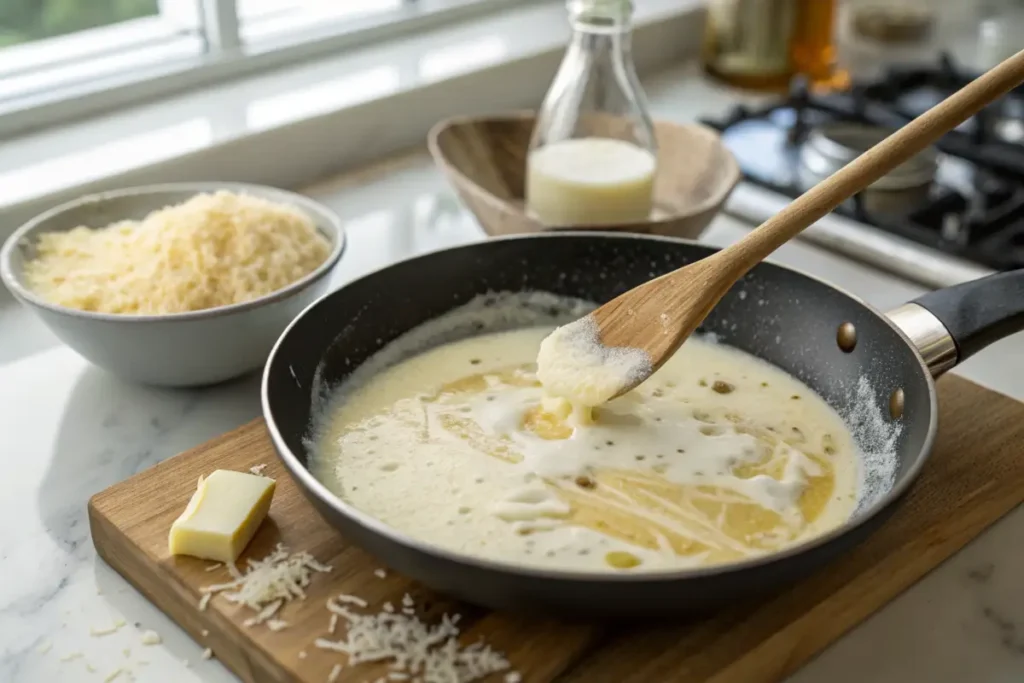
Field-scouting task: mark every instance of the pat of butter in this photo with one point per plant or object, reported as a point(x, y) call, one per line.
point(222, 516)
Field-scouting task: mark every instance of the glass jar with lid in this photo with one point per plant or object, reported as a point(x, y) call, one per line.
point(593, 153)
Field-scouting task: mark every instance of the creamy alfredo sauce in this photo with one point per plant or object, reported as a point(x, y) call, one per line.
point(717, 457)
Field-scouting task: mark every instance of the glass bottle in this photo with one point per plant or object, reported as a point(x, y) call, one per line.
point(593, 153)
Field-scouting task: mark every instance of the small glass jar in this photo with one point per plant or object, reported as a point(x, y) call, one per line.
point(593, 153)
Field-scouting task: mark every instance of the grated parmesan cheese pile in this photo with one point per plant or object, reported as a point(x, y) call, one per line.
point(417, 652)
point(212, 250)
point(267, 585)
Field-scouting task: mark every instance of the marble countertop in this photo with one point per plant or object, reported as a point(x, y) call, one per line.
point(68, 430)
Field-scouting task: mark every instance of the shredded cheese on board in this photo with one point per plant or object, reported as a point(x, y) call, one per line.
point(413, 648)
point(267, 585)
point(212, 250)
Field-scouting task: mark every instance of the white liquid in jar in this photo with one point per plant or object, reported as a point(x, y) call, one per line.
point(590, 181)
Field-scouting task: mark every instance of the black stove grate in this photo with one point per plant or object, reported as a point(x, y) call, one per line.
point(975, 208)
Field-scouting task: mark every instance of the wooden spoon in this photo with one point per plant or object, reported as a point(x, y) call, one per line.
point(659, 315)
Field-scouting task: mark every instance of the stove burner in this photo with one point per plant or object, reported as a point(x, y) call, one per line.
point(831, 146)
point(965, 197)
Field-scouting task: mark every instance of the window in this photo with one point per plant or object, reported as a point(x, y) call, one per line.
point(261, 19)
point(64, 59)
point(50, 44)
point(23, 21)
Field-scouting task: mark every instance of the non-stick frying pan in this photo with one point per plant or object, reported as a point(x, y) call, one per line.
point(796, 322)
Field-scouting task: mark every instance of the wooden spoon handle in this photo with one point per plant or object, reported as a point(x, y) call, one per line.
point(899, 147)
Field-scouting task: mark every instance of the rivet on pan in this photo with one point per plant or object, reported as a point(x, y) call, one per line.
point(846, 337)
point(896, 404)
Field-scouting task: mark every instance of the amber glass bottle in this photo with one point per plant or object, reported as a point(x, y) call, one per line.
point(762, 44)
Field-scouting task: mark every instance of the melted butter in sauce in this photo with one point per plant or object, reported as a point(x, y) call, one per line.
point(716, 458)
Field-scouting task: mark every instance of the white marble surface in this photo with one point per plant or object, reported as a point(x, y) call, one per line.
point(68, 430)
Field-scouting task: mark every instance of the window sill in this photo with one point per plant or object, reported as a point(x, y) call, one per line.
point(293, 126)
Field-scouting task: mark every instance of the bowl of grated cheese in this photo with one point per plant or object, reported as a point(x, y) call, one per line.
point(178, 285)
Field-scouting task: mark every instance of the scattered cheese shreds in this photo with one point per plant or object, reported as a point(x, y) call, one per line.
point(212, 250)
point(352, 600)
point(324, 644)
point(151, 638)
point(268, 584)
point(214, 567)
point(335, 672)
point(113, 674)
point(207, 653)
point(380, 573)
point(332, 627)
point(257, 469)
point(44, 647)
point(513, 677)
point(204, 633)
point(71, 655)
point(302, 654)
point(105, 631)
point(427, 653)
point(277, 625)
point(265, 614)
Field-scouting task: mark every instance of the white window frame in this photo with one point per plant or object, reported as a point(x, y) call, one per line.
point(147, 59)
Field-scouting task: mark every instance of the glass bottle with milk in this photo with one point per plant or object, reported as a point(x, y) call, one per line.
point(593, 153)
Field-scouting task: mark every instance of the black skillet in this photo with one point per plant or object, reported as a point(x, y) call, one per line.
point(785, 317)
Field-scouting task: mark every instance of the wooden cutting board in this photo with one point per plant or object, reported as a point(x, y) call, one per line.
point(977, 471)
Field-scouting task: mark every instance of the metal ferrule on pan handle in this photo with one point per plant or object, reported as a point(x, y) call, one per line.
point(927, 333)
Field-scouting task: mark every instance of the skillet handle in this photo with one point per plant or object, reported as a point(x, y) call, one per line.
point(974, 315)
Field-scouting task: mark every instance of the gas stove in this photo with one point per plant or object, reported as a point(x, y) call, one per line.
point(951, 214)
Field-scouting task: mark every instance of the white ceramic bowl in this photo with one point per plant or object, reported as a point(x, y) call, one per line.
point(180, 349)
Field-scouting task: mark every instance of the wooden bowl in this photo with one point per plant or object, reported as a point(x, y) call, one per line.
point(485, 159)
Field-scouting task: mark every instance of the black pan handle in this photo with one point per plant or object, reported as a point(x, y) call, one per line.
point(979, 312)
